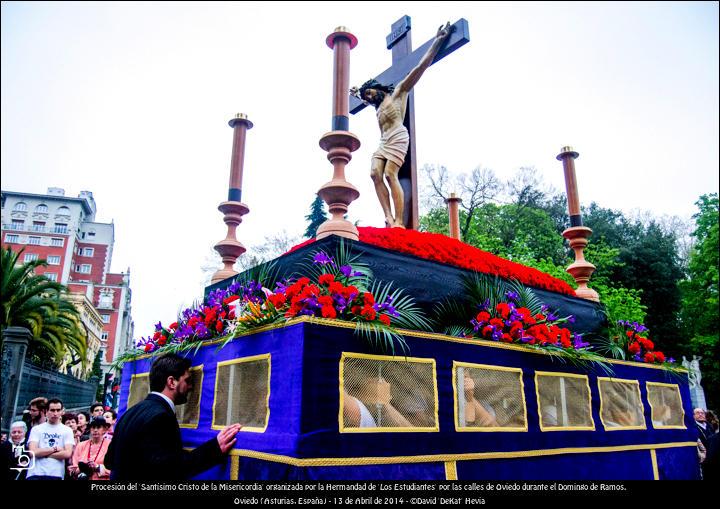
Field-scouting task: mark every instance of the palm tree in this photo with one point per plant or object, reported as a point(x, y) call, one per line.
point(33, 301)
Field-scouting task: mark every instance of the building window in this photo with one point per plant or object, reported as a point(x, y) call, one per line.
point(20, 206)
point(57, 242)
point(91, 234)
point(105, 318)
point(63, 211)
point(104, 335)
point(61, 228)
point(38, 226)
point(51, 276)
point(41, 209)
point(12, 239)
point(83, 269)
point(30, 257)
point(87, 251)
point(53, 260)
point(17, 225)
point(34, 241)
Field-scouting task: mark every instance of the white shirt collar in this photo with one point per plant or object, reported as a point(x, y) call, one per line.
point(169, 401)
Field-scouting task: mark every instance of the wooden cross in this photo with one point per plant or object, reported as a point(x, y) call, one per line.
point(403, 61)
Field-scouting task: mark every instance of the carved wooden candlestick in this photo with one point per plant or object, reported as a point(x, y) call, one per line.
point(577, 235)
point(454, 212)
point(339, 143)
point(233, 209)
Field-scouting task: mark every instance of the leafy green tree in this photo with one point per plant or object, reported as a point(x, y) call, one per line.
point(36, 303)
point(699, 314)
point(316, 217)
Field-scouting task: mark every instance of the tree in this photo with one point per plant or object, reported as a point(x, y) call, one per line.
point(699, 313)
point(38, 304)
point(316, 217)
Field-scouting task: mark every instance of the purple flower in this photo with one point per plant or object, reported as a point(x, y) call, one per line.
point(322, 258)
point(670, 360)
point(571, 319)
point(202, 331)
point(348, 272)
point(484, 306)
point(513, 296)
point(578, 342)
point(550, 317)
point(158, 327)
point(184, 331)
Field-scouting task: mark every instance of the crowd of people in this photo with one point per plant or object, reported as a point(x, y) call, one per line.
point(50, 443)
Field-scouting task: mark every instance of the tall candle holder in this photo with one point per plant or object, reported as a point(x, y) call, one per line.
point(233, 209)
point(339, 143)
point(577, 235)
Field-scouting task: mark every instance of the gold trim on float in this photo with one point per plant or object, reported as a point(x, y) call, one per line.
point(240, 360)
point(234, 467)
point(412, 333)
point(451, 471)
point(391, 460)
point(636, 383)
point(382, 429)
point(132, 379)
point(461, 364)
point(653, 458)
point(652, 408)
point(589, 402)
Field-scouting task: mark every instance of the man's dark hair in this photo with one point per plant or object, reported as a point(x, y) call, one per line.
point(168, 365)
point(95, 405)
point(377, 86)
point(55, 400)
point(113, 412)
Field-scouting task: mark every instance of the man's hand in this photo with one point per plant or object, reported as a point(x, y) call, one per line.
point(226, 438)
point(444, 31)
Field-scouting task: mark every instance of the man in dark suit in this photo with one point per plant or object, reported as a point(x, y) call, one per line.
point(705, 431)
point(147, 445)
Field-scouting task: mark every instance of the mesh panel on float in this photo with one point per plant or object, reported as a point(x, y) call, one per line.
point(665, 405)
point(188, 414)
point(488, 398)
point(139, 389)
point(242, 393)
point(563, 401)
point(382, 393)
point(620, 404)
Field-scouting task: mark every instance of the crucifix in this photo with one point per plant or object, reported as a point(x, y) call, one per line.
point(404, 60)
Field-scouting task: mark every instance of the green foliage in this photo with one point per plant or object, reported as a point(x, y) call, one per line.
point(38, 304)
point(699, 314)
point(316, 217)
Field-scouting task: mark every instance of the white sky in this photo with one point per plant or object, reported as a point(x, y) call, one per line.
point(131, 101)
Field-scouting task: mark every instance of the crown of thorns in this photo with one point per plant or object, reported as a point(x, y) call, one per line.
point(376, 85)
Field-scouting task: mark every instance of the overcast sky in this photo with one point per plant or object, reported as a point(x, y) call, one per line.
point(131, 101)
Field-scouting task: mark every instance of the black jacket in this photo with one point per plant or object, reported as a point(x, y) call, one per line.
point(146, 445)
point(705, 434)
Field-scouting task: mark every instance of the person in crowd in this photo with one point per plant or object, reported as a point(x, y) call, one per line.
point(52, 443)
point(712, 420)
point(83, 430)
point(110, 417)
point(12, 452)
point(70, 420)
point(37, 413)
point(96, 410)
point(705, 431)
point(710, 465)
point(147, 444)
point(88, 460)
point(3, 438)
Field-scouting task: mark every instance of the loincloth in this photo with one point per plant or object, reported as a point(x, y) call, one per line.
point(394, 145)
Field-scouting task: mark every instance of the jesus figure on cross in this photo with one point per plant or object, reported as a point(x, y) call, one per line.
point(390, 103)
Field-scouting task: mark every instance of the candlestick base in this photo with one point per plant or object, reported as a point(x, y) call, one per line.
point(230, 248)
point(581, 269)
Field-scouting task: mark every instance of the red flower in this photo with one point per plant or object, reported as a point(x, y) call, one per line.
point(506, 338)
point(483, 316)
point(328, 312)
point(368, 312)
point(350, 292)
point(496, 322)
point(335, 287)
point(157, 335)
point(173, 325)
point(634, 347)
point(649, 357)
point(277, 300)
point(356, 310)
point(325, 300)
point(326, 279)
point(487, 331)
point(659, 356)
point(647, 344)
point(368, 298)
point(161, 340)
point(384, 319)
point(226, 301)
point(503, 309)
point(219, 326)
point(525, 313)
point(148, 347)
